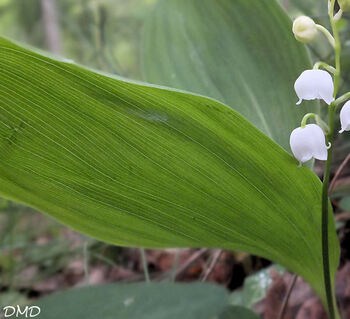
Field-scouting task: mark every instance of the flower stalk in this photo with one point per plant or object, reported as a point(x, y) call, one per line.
point(325, 66)
point(306, 117)
point(325, 205)
point(327, 34)
point(318, 120)
point(309, 140)
point(342, 99)
point(332, 309)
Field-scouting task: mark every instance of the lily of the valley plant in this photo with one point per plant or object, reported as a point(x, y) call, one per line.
point(139, 165)
point(315, 140)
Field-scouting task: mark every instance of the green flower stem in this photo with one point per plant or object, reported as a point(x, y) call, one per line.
point(332, 308)
point(318, 120)
point(342, 99)
point(337, 50)
point(325, 203)
point(325, 66)
point(306, 117)
point(327, 34)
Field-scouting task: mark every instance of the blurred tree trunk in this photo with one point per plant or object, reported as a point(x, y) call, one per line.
point(51, 26)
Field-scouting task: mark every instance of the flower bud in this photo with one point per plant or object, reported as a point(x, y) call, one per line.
point(345, 117)
point(344, 5)
point(308, 142)
point(304, 29)
point(314, 84)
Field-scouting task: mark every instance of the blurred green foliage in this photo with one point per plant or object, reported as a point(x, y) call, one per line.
point(103, 34)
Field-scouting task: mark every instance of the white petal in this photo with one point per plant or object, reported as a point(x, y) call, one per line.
point(315, 84)
point(325, 86)
point(308, 142)
point(321, 153)
point(345, 117)
point(318, 141)
point(300, 146)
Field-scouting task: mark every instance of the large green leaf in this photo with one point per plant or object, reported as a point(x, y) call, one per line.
point(136, 301)
point(139, 165)
point(241, 52)
point(142, 301)
point(314, 9)
point(238, 312)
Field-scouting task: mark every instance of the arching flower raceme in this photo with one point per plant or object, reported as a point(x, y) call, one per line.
point(304, 29)
point(309, 142)
point(345, 117)
point(314, 84)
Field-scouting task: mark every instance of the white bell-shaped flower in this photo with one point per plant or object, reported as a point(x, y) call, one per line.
point(309, 142)
point(304, 29)
point(345, 117)
point(314, 84)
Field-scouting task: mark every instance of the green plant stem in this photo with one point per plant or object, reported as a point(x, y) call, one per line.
point(325, 203)
point(342, 99)
point(318, 120)
point(326, 33)
point(325, 200)
point(306, 117)
point(337, 50)
point(325, 66)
